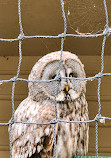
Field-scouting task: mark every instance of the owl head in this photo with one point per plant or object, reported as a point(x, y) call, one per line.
point(47, 68)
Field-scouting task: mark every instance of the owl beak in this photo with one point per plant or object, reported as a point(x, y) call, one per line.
point(66, 88)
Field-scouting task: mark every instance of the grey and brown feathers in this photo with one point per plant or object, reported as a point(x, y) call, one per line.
point(36, 141)
point(28, 139)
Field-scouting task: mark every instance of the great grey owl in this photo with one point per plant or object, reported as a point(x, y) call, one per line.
point(37, 141)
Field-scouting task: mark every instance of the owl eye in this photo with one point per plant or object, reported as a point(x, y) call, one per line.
point(73, 75)
point(53, 77)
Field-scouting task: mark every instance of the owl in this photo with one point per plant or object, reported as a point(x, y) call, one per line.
point(36, 140)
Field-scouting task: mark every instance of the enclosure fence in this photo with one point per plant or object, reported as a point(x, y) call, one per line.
point(62, 36)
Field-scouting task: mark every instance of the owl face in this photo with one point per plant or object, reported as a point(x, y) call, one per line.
point(64, 89)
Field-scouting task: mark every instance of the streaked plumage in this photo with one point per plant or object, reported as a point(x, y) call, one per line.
point(36, 141)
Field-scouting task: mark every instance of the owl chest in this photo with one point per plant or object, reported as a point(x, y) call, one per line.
point(65, 134)
point(64, 141)
point(72, 137)
point(72, 140)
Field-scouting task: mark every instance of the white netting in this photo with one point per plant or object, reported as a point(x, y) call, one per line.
point(63, 35)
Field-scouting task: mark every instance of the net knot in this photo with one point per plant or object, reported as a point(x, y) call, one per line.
point(21, 36)
point(99, 75)
point(14, 79)
point(107, 31)
point(54, 121)
point(11, 121)
point(58, 77)
point(98, 117)
point(62, 35)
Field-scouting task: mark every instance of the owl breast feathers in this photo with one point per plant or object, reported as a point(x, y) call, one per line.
point(37, 141)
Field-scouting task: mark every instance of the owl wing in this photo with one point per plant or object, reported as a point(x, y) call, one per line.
point(30, 141)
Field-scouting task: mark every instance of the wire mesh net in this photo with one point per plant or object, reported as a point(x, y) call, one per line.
point(62, 36)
